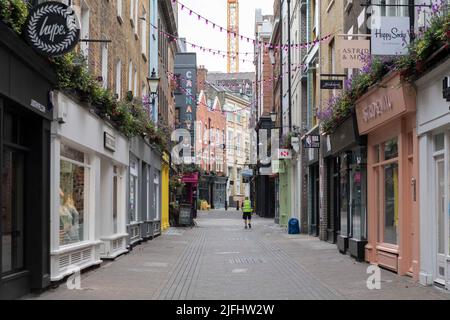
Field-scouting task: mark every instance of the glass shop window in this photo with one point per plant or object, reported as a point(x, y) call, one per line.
point(115, 197)
point(386, 174)
point(439, 142)
point(72, 192)
point(134, 189)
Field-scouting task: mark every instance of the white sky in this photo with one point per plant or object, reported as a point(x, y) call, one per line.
point(199, 33)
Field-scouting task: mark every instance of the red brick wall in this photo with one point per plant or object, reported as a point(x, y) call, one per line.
point(218, 121)
point(268, 86)
point(201, 78)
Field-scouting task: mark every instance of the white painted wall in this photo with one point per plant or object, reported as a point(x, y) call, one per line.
point(433, 116)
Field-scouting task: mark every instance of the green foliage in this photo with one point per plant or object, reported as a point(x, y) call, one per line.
point(189, 168)
point(175, 183)
point(128, 115)
point(14, 13)
point(410, 66)
point(435, 37)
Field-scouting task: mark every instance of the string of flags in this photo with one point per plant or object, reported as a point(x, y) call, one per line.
point(216, 52)
point(260, 44)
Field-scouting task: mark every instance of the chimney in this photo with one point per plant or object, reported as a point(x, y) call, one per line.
point(202, 72)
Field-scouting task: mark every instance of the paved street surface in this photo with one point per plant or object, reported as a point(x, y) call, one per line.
point(218, 259)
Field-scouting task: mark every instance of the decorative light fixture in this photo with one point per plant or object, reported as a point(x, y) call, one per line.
point(153, 84)
point(273, 116)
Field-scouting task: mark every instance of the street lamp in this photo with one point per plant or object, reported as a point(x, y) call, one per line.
point(273, 116)
point(153, 84)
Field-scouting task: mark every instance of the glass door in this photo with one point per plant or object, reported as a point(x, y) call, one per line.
point(12, 211)
point(441, 214)
point(344, 196)
point(358, 196)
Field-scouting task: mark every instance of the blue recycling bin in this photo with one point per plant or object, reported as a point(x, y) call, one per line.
point(294, 227)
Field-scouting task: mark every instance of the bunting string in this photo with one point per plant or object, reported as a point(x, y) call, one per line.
point(260, 44)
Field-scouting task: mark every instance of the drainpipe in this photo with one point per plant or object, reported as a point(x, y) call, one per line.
point(289, 64)
point(281, 71)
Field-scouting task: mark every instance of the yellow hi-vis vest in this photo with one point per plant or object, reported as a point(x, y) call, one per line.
point(247, 206)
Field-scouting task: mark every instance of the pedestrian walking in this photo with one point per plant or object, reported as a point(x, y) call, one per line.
point(247, 212)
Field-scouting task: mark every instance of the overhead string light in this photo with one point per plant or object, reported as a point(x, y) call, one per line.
point(268, 45)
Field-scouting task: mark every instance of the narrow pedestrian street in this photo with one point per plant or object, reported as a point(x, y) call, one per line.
point(220, 260)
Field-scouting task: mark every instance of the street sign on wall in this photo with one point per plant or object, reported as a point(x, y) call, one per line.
point(392, 36)
point(52, 29)
point(284, 154)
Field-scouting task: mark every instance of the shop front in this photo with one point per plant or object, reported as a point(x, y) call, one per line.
point(190, 189)
point(165, 196)
point(144, 201)
point(345, 157)
point(219, 192)
point(26, 81)
point(89, 160)
point(312, 157)
point(433, 118)
point(387, 115)
point(285, 175)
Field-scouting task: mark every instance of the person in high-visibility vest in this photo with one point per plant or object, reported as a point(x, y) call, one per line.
point(247, 210)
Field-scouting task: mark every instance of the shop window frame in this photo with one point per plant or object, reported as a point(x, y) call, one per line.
point(87, 191)
point(378, 170)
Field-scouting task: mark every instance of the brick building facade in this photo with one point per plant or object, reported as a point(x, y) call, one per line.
point(122, 63)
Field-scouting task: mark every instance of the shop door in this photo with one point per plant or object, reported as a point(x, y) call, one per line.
point(441, 220)
point(12, 213)
point(345, 201)
point(337, 199)
point(12, 201)
point(314, 182)
point(219, 196)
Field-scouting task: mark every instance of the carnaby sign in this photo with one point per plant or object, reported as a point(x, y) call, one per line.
point(52, 28)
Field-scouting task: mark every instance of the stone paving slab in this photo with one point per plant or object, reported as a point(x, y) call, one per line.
point(220, 260)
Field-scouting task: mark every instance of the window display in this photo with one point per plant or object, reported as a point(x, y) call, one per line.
point(72, 196)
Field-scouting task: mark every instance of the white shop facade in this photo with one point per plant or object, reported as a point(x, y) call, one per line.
point(89, 165)
point(433, 116)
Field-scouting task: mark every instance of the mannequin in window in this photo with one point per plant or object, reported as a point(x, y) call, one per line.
point(65, 220)
point(75, 229)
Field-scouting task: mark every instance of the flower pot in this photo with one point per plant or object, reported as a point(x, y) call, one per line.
point(420, 66)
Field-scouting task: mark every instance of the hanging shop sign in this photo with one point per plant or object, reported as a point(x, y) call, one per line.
point(352, 53)
point(392, 37)
point(284, 154)
point(331, 84)
point(52, 28)
point(109, 141)
point(295, 143)
point(312, 142)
